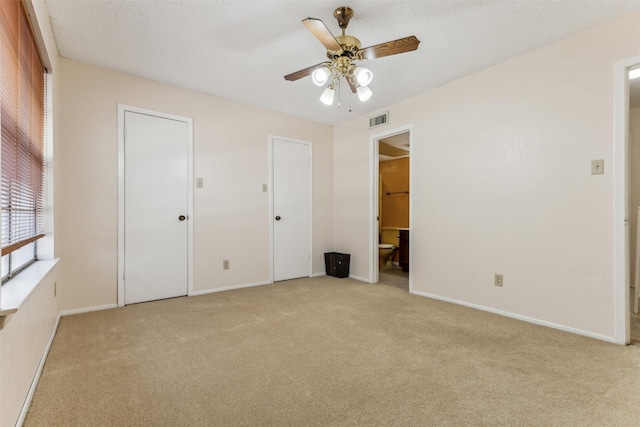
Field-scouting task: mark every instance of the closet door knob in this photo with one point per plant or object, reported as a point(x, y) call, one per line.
point(278, 217)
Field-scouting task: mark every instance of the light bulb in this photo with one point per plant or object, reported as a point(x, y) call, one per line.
point(363, 76)
point(320, 76)
point(364, 93)
point(327, 96)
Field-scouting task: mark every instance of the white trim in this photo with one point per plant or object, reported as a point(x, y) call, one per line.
point(374, 182)
point(518, 317)
point(361, 279)
point(88, 309)
point(322, 273)
point(270, 191)
point(309, 145)
point(122, 108)
point(374, 171)
point(621, 198)
point(17, 290)
point(37, 34)
point(36, 378)
point(411, 205)
point(230, 288)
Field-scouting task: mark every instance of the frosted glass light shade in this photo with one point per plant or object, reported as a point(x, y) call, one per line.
point(320, 76)
point(364, 93)
point(327, 96)
point(363, 76)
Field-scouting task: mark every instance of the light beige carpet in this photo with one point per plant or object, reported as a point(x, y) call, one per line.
point(328, 352)
point(394, 276)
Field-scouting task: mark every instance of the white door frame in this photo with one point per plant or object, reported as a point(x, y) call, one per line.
point(271, 211)
point(374, 172)
point(622, 333)
point(122, 108)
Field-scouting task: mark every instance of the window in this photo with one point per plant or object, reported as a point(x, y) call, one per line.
point(22, 124)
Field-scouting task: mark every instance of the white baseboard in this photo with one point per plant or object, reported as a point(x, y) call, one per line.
point(229, 288)
point(319, 274)
point(88, 309)
point(36, 377)
point(519, 317)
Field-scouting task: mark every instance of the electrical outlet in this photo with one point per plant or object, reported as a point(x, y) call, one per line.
point(225, 264)
point(597, 167)
point(498, 280)
point(264, 188)
point(199, 182)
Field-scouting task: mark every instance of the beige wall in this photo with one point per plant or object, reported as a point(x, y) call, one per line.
point(22, 344)
point(510, 191)
point(231, 153)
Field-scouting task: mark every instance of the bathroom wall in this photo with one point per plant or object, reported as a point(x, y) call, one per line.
point(395, 179)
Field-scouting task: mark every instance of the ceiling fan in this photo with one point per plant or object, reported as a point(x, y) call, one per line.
point(342, 52)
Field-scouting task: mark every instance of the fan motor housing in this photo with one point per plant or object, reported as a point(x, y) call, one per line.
point(350, 46)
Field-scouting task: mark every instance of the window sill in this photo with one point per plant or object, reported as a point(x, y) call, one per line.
point(16, 291)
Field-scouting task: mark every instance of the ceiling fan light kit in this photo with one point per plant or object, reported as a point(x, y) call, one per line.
point(364, 93)
point(342, 52)
point(327, 95)
point(320, 76)
point(363, 76)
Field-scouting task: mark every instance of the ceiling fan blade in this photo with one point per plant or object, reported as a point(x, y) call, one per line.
point(352, 85)
point(304, 72)
point(406, 44)
point(322, 33)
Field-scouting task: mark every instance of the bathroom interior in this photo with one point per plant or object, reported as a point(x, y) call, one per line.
point(393, 210)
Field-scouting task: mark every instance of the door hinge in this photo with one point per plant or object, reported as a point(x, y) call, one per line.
point(124, 276)
point(124, 132)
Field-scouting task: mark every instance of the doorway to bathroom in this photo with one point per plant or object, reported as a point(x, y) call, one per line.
point(391, 207)
point(624, 209)
point(632, 112)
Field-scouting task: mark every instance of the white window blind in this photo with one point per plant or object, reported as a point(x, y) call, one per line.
point(22, 87)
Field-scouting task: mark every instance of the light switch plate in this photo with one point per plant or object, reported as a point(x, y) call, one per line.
point(597, 167)
point(264, 188)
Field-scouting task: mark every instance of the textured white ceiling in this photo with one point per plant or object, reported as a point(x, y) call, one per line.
point(241, 50)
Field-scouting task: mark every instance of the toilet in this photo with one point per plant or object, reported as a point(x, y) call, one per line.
point(389, 243)
point(385, 252)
